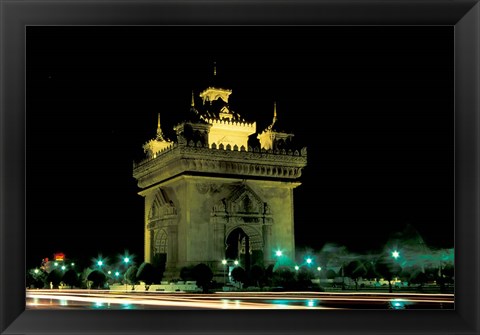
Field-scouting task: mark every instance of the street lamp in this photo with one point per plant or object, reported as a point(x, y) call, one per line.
point(309, 261)
point(395, 254)
point(63, 267)
point(100, 263)
point(236, 262)
point(319, 268)
point(297, 267)
point(224, 262)
point(278, 253)
point(36, 270)
point(126, 260)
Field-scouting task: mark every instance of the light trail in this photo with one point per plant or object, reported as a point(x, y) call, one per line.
point(235, 300)
point(165, 302)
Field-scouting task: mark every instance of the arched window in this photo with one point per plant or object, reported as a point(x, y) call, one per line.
point(161, 242)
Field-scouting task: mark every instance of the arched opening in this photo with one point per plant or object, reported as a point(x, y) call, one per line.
point(160, 249)
point(239, 248)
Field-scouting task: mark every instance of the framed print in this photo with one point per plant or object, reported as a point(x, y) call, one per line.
point(295, 165)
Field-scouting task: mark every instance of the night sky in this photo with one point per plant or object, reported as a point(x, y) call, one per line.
point(373, 105)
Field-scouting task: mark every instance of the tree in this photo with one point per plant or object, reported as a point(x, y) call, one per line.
point(269, 274)
point(239, 274)
point(131, 276)
point(355, 270)
point(388, 269)
point(449, 273)
point(146, 273)
point(257, 273)
point(304, 278)
point(54, 278)
point(83, 277)
point(331, 274)
point(419, 278)
point(203, 275)
point(36, 280)
point(98, 279)
point(284, 277)
point(370, 270)
point(70, 278)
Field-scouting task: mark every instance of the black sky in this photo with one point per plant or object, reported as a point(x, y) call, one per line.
point(374, 106)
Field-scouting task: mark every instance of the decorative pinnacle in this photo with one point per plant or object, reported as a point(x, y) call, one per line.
point(214, 68)
point(270, 127)
point(159, 130)
point(193, 101)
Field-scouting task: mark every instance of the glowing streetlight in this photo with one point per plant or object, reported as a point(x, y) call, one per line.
point(73, 264)
point(56, 264)
point(236, 262)
point(395, 254)
point(117, 274)
point(297, 267)
point(100, 263)
point(126, 260)
point(309, 260)
point(278, 253)
point(63, 267)
point(36, 270)
point(319, 268)
point(224, 262)
point(109, 272)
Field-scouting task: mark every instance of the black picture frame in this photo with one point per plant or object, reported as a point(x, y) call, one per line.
point(16, 15)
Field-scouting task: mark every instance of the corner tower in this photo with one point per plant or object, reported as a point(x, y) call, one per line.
point(209, 196)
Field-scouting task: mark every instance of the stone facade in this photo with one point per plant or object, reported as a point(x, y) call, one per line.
point(207, 200)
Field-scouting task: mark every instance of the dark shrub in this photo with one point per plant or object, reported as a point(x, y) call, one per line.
point(98, 279)
point(146, 273)
point(70, 278)
point(203, 275)
point(131, 276)
point(239, 275)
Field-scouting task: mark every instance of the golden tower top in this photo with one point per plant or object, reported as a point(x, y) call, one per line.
point(159, 143)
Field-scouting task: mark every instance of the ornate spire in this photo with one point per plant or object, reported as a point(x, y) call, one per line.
point(270, 127)
point(192, 106)
point(214, 68)
point(274, 111)
point(159, 129)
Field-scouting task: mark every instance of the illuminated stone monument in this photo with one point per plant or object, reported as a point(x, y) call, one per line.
point(209, 196)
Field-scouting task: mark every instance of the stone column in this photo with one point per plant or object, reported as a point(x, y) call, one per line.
point(148, 232)
point(267, 248)
point(247, 255)
point(218, 239)
point(172, 248)
point(148, 245)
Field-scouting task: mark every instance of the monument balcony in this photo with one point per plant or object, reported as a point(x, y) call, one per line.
point(225, 160)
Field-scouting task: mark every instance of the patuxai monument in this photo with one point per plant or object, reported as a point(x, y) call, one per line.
point(210, 195)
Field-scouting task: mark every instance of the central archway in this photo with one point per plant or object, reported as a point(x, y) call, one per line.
point(244, 243)
point(236, 242)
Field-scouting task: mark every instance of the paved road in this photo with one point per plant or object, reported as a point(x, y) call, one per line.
point(96, 299)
